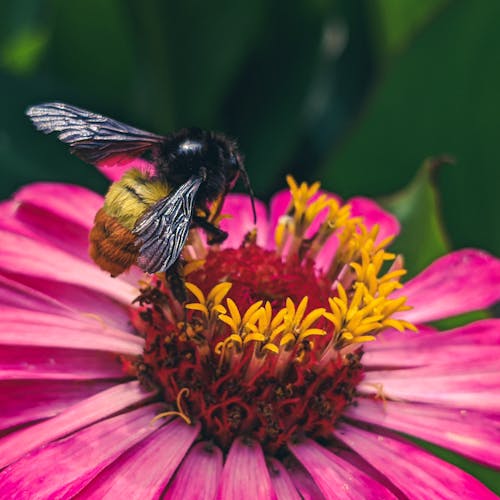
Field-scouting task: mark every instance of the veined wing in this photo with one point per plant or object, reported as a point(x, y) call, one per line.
point(92, 137)
point(162, 231)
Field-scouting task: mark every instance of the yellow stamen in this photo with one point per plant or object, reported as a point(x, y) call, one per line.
point(193, 265)
point(196, 292)
point(363, 281)
point(209, 306)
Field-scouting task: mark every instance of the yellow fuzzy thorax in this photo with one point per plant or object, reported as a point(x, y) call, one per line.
point(130, 197)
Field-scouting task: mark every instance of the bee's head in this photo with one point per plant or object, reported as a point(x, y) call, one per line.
point(212, 155)
point(234, 167)
point(231, 165)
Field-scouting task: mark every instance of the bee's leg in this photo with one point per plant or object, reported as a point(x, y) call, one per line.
point(175, 278)
point(215, 234)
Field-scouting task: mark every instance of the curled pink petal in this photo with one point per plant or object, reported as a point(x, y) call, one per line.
point(245, 473)
point(457, 283)
point(199, 475)
point(411, 469)
point(463, 431)
point(144, 471)
point(334, 476)
point(240, 220)
point(79, 458)
point(80, 415)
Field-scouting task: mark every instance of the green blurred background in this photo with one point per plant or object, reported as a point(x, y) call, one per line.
point(356, 94)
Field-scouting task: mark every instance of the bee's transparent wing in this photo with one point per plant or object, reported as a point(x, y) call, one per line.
point(162, 231)
point(92, 137)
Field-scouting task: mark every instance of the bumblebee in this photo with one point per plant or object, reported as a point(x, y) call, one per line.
point(148, 213)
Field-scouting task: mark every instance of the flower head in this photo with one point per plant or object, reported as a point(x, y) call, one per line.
point(296, 363)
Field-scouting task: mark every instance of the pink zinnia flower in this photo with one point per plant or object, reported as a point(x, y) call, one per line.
point(285, 376)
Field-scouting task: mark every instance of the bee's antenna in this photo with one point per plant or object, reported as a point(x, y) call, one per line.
point(248, 186)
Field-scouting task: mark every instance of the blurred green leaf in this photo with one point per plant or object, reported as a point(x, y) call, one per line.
point(460, 320)
point(265, 106)
point(21, 53)
point(92, 50)
point(189, 54)
point(207, 59)
point(23, 36)
point(396, 22)
point(441, 96)
point(338, 86)
point(422, 238)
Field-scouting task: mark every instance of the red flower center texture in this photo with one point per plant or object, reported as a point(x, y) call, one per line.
point(272, 403)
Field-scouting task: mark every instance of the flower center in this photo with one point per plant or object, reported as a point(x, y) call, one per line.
point(268, 346)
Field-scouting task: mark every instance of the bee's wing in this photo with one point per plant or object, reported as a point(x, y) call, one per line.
point(93, 138)
point(162, 231)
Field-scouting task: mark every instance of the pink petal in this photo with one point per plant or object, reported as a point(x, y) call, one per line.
point(241, 222)
point(17, 295)
point(325, 256)
point(199, 475)
point(63, 468)
point(73, 203)
point(479, 332)
point(431, 355)
point(334, 476)
point(373, 214)
point(304, 483)
point(60, 215)
point(279, 205)
point(113, 168)
point(459, 282)
point(282, 483)
point(27, 400)
point(144, 471)
point(22, 328)
point(466, 432)
point(80, 415)
point(20, 255)
point(456, 385)
point(415, 472)
point(62, 299)
point(44, 226)
point(245, 473)
point(476, 342)
point(54, 363)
